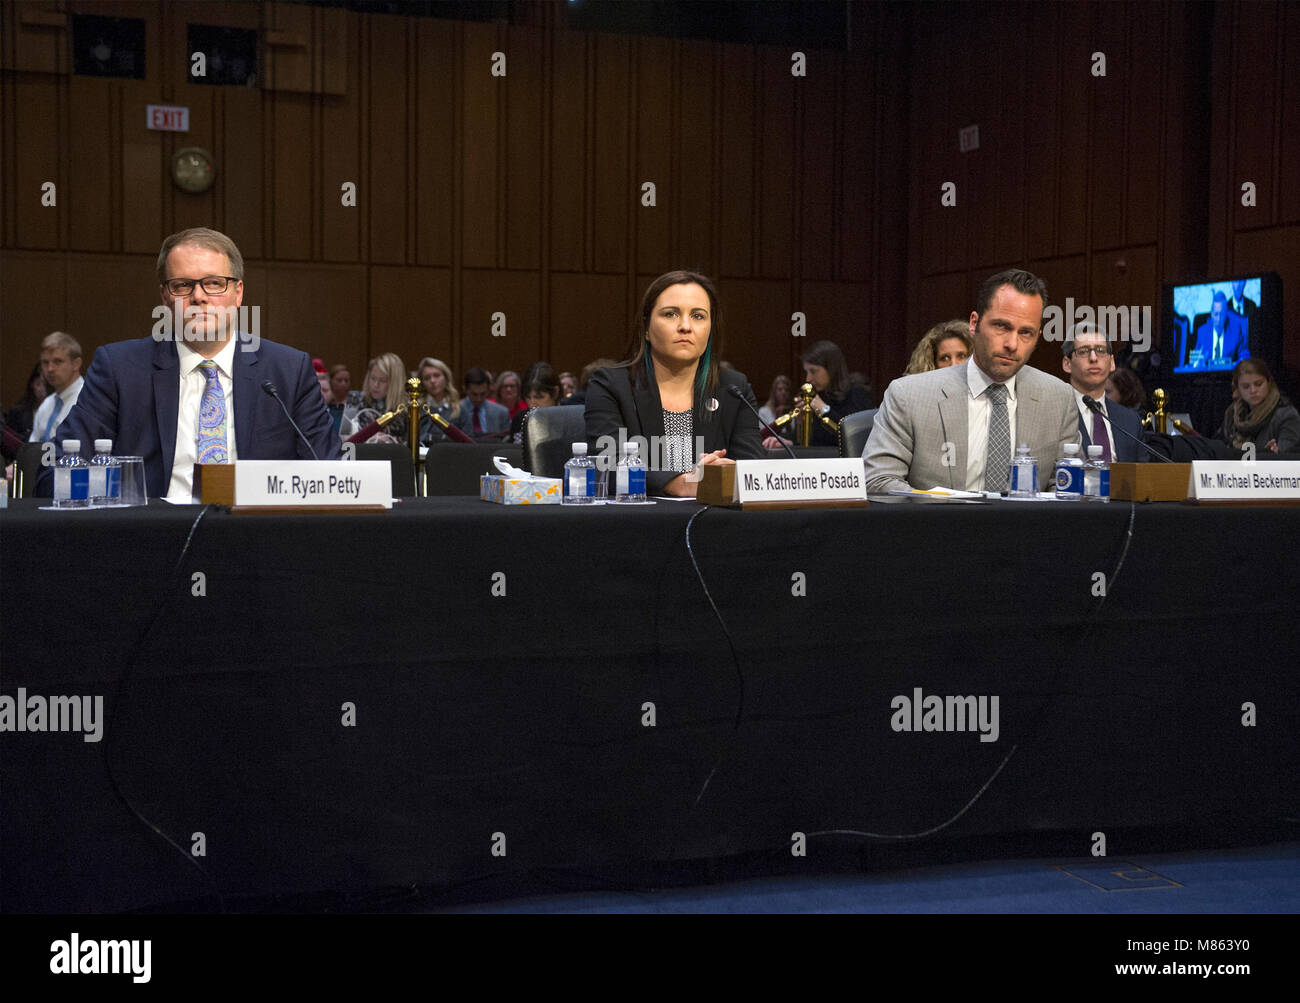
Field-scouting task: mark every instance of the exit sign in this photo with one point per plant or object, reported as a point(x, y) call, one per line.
point(167, 117)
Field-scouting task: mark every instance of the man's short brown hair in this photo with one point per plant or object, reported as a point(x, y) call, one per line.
point(201, 236)
point(59, 340)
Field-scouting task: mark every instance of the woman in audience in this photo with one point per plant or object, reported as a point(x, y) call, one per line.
point(670, 391)
point(835, 397)
point(440, 394)
point(541, 389)
point(946, 344)
point(1124, 388)
point(508, 393)
point(19, 418)
point(778, 400)
point(385, 390)
point(1260, 414)
point(568, 385)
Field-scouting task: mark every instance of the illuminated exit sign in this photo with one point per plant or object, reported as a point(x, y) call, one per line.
point(167, 117)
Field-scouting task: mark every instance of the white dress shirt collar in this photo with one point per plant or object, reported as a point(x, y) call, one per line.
point(978, 381)
point(190, 360)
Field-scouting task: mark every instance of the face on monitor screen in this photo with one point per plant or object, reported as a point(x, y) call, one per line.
point(1212, 324)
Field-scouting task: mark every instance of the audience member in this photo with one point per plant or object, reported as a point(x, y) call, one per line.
point(340, 384)
point(323, 377)
point(19, 420)
point(508, 393)
point(579, 396)
point(568, 385)
point(958, 427)
point(1124, 388)
point(541, 389)
point(946, 344)
point(1259, 414)
point(835, 397)
point(197, 397)
point(61, 367)
point(440, 395)
point(670, 390)
point(1087, 360)
point(779, 399)
point(385, 390)
point(479, 417)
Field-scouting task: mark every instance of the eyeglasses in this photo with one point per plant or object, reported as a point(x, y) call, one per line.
point(1101, 352)
point(213, 285)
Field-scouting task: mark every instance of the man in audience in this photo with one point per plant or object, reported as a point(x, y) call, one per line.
point(196, 393)
point(61, 367)
point(958, 427)
point(1088, 361)
point(480, 417)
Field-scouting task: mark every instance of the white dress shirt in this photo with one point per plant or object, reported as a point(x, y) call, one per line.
point(190, 387)
point(1086, 415)
point(977, 423)
point(63, 401)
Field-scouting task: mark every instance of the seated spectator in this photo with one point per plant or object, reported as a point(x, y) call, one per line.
point(778, 399)
point(1260, 414)
point(541, 389)
point(508, 393)
point(440, 395)
point(824, 367)
point(385, 390)
point(479, 417)
point(1124, 387)
point(322, 377)
point(579, 396)
point(946, 344)
point(568, 385)
point(20, 418)
point(340, 384)
point(61, 367)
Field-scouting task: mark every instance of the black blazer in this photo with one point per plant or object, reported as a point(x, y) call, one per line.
point(613, 403)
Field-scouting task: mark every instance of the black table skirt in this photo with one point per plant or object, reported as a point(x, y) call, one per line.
point(500, 732)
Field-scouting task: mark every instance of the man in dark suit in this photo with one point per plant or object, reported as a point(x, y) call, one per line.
point(479, 417)
point(193, 392)
point(1221, 340)
point(1242, 307)
point(1088, 361)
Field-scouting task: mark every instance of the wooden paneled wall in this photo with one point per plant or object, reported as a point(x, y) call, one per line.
point(476, 194)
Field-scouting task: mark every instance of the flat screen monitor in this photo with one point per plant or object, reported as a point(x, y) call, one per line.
point(1211, 326)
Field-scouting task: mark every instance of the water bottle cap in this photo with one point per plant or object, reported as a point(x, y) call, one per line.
point(631, 447)
point(1023, 448)
point(1071, 449)
point(103, 445)
point(579, 449)
point(72, 445)
point(1094, 452)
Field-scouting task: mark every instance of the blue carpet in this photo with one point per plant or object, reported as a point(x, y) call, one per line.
point(1263, 879)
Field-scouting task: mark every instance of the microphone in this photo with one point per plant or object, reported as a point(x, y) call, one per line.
point(739, 394)
point(268, 388)
point(1095, 408)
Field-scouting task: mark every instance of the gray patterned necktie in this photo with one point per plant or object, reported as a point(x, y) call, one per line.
point(997, 462)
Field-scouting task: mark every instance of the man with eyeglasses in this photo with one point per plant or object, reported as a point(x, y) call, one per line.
point(1088, 362)
point(195, 394)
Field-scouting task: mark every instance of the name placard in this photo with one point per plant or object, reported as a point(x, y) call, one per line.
point(796, 481)
point(1234, 480)
point(286, 484)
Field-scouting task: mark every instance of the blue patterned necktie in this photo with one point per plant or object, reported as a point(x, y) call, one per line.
point(211, 441)
point(54, 420)
point(997, 465)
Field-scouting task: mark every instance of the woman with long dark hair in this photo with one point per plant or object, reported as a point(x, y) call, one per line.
point(834, 396)
point(670, 392)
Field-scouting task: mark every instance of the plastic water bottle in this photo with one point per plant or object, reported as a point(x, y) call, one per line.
point(631, 475)
point(1024, 473)
point(105, 475)
point(71, 477)
point(1096, 476)
point(1069, 474)
point(579, 477)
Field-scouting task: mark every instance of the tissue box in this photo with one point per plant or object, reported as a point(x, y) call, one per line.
point(519, 490)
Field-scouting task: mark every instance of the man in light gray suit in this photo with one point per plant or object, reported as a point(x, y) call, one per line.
point(958, 427)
